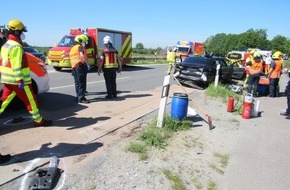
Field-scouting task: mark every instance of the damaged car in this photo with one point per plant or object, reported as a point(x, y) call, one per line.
point(200, 71)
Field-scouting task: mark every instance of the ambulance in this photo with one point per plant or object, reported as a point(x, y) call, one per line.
point(38, 70)
point(58, 56)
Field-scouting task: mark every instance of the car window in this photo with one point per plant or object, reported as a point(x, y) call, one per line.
point(66, 41)
point(30, 50)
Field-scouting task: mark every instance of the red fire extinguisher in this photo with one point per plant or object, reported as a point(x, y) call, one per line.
point(247, 107)
point(231, 101)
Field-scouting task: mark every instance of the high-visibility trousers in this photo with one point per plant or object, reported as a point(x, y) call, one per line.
point(26, 95)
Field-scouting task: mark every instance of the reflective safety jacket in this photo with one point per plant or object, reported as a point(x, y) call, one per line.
point(256, 67)
point(110, 58)
point(171, 57)
point(276, 72)
point(75, 57)
point(14, 67)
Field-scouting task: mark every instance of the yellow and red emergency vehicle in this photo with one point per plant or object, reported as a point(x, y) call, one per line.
point(237, 58)
point(58, 56)
point(186, 48)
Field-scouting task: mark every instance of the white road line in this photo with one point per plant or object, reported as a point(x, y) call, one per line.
point(101, 81)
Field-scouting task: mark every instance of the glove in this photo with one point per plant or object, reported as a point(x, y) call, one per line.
point(119, 70)
point(89, 67)
point(21, 85)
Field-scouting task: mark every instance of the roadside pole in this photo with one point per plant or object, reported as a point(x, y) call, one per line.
point(216, 81)
point(163, 101)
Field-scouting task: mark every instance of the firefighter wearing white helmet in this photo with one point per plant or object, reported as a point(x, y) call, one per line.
point(107, 40)
point(275, 73)
point(16, 73)
point(110, 64)
point(79, 62)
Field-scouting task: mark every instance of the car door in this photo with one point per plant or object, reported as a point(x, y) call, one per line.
point(226, 70)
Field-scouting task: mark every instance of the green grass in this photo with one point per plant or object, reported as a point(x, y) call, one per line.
point(153, 136)
point(223, 92)
point(212, 185)
point(286, 64)
point(175, 179)
point(224, 159)
point(139, 148)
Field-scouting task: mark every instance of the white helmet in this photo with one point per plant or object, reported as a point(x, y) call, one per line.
point(107, 39)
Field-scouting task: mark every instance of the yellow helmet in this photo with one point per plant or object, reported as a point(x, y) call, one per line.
point(16, 25)
point(277, 55)
point(81, 38)
point(84, 38)
point(252, 52)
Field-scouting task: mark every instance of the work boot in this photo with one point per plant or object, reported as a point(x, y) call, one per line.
point(5, 158)
point(284, 113)
point(288, 116)
point(43, 123)
point(85, 101)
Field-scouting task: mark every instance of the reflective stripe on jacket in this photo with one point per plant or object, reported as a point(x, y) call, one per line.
point(14, 66)
point(75, 57)
point(276, 72)
point(110, 58)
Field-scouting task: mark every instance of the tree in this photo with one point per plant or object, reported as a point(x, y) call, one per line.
point(139, 46)
point(278, 43)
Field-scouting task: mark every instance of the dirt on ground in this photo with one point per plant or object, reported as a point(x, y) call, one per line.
point(193, 156)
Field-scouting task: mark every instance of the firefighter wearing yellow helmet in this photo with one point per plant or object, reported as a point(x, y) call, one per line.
point(79, 64)
point(16, 73)
point(249, 57)
point(110, 64)
point(255, 66)
point(275, 73)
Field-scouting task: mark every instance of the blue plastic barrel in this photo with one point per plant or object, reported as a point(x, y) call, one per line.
point(179, 106)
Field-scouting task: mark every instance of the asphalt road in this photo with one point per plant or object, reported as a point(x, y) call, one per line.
point(77, 128)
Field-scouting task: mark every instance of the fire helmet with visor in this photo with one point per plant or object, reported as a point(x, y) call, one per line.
point(107, 39)
point(277, 55)
point(16, 25)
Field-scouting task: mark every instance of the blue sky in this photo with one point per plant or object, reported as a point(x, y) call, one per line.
point(153, 23)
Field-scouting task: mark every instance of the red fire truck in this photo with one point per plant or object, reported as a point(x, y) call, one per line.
point(58, 56)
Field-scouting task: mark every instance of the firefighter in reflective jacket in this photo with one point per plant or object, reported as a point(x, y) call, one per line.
point(15, 73)
point(256, 66)
point(79, 63)
point(171, 59)
point(111, 63)
point(275, 73)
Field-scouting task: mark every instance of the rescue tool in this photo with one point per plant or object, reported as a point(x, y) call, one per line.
point(46, 178)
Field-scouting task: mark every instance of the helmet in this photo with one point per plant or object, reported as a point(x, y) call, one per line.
point(16, 25)
point(81, 38)
point(277, 55)
point(107, 39)
point(175, 49)
point(84, 38)
point(257, 54)
point(252, 51)
point(78, 39)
